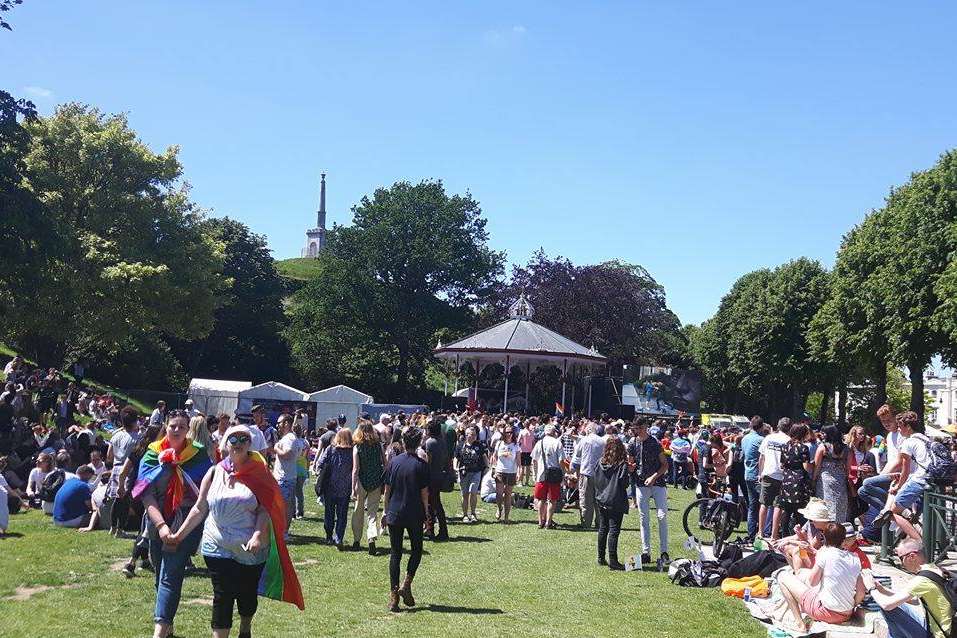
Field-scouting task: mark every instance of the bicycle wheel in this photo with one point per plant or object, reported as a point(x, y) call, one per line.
point(691, 521)
point(722, 532)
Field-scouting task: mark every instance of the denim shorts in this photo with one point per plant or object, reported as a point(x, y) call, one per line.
point(911, 493)
point(471, 482)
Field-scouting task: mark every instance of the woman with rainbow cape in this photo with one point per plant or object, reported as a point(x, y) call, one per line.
point(166, 484)
point(242, 539)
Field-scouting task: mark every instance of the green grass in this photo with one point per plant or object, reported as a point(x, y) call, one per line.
point(298, 269)
point(492, 580)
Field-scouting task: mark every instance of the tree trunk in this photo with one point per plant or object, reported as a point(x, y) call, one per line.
point(880, 383)
point(402, 377)
point(842, 404)
point(916, 370)
point(825, 402)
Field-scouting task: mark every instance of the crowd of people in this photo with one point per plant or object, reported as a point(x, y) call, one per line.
point(189, 484)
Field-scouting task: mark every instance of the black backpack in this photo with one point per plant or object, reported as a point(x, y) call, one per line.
point(52, 483)
point(689, 573)
point(948, 586)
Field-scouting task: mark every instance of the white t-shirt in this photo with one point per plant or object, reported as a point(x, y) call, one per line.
point(506, 457)
point(123, 443)
point(35, 481)
point(770, 448)
point(549, 450)
point(286, 468)
point(488, 485)
point(258, 443)
point(839, 579)
point(917, 447)
point(893, 441)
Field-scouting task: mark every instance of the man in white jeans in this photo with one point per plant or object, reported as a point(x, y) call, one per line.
point(648, 457)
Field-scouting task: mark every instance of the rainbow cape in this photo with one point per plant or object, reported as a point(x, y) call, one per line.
point(188, 469)
point(279, 580)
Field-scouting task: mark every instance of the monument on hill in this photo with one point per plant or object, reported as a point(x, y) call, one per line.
point(316, 237)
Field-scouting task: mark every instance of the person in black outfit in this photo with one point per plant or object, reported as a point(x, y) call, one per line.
point(438, 455)
point(611, 497)
point(407, 498)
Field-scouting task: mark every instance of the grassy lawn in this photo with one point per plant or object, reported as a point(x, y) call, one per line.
point(491, 580)
point(298, 268)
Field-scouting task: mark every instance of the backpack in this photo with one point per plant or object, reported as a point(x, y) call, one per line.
point(687, 573)
point(51, 485)
point(941, 467)
point(948, 586)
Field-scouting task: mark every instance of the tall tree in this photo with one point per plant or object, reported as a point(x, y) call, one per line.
point(28, 239)
point(414, 260)
point(919, 246)
point(133, 256)
point(755, 351)
point(246, 340)
point(625, 316)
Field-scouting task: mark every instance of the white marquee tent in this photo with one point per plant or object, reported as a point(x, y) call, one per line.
point(339, 399)
point(271, 391)
point(216, 396)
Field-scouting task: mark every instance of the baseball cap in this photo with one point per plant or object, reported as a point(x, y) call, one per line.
point(257, 408)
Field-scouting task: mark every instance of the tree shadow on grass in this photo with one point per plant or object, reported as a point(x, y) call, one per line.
point(468, 539)
point(449, 609)
point(297, 539)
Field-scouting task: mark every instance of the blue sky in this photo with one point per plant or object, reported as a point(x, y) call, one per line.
point(701, 140)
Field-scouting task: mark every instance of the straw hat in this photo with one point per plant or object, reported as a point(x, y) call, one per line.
point(817, 510)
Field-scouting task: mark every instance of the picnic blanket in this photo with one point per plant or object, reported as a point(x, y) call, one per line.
point(774, 611)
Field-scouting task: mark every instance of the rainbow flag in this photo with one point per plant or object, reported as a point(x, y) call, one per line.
point(279, 580)
point(559, 409)
point(188, 469)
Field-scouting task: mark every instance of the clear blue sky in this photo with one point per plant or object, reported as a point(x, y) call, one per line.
point(701, 140)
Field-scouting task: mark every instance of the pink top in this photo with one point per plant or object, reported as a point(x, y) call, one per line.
point(526, 441)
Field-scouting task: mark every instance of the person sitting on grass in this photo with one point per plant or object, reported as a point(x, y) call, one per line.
point(799, 549)
point(73, 504)
point(902, 608)
point(99, 484)
point(828, 592)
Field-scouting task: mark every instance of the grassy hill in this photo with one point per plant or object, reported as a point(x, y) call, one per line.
point(299, 269)
point(7, 353)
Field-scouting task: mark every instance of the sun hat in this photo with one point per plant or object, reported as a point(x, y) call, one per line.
point(231, 430)
point(817, 510)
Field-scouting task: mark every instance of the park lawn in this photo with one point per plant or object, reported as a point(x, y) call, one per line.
point(490, 580)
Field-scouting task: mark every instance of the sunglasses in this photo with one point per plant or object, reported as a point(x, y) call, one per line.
point(238, 439)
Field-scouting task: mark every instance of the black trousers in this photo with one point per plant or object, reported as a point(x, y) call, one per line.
point(436, 509)
point(233, 581)
point(120, 512)
point(609, 527)
point(396, 534)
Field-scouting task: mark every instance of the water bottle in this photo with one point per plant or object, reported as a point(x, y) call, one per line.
point(747, 594)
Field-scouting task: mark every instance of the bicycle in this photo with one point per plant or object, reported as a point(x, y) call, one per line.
point(716, 514)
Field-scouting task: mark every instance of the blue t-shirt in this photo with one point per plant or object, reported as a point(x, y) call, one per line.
point(406, 475)
point(71, 500)
point(750, 448)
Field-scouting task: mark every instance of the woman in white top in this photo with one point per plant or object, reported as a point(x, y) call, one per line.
point(235, 535)
point(35, 482)
point(506, 455)
point(830, 590)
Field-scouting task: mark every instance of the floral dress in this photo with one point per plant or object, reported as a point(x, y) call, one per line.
point(832, 483)
point(795, 482)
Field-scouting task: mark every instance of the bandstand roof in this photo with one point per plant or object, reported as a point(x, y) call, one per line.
point(522, 340)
